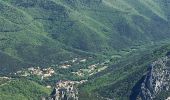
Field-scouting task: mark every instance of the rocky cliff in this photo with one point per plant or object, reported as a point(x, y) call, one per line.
point(156, 80)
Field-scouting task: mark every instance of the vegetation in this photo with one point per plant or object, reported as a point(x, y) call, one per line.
point(128, 33)
point(22, 89)
point(44, 32)
point(118, 81)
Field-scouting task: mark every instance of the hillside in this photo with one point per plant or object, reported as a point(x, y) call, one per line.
point(124, 81)
point(43, 32)
point(102, 46)
point(22, 89)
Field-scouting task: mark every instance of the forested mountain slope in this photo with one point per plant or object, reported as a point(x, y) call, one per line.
point(139, 77)
point(22, 89)
point(42, 32)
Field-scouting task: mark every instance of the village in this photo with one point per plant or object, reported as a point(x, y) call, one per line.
point(49, 71)
point(66, 90)
point(43, 72)
point(69, 63)
point(89, 70)
point(92, 69)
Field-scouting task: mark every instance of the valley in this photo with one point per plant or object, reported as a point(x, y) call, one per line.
point(84, 49)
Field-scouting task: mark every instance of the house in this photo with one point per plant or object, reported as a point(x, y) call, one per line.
point(83, 60)
point(65, 66)
point(31, 69)
point(74, 60)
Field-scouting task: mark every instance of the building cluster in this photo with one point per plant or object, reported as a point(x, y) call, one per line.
point(45, 72)
point(4, 77)
point(65, 90)
point(69, 63)
point(90, 70)
point(65, 66)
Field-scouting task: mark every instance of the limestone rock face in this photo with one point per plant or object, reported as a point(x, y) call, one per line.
point(156, 80)
point(64, 90)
